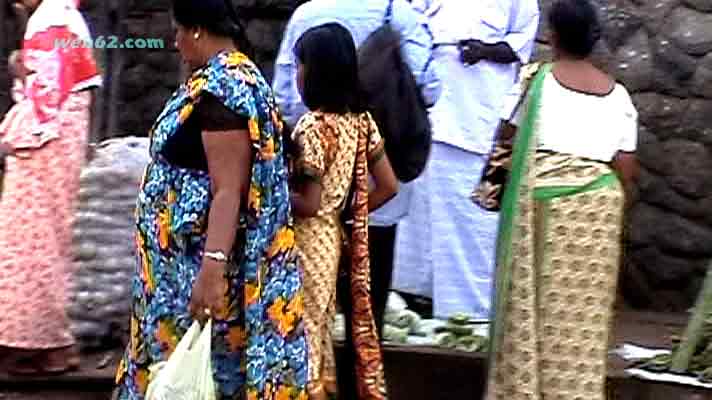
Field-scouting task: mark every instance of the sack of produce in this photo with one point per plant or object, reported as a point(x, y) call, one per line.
point(104, 245)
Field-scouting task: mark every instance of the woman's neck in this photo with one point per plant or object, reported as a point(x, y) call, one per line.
point(216, 46)
point(573, 62)
point(581, 74)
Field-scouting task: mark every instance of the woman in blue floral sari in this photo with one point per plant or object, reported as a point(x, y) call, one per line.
point(214, 232)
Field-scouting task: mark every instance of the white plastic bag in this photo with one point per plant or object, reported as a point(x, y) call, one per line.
point(188, 373)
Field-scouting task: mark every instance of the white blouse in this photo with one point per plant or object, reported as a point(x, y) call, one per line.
point(582, 124)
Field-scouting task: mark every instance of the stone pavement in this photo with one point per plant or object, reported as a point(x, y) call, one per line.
point(422, 374)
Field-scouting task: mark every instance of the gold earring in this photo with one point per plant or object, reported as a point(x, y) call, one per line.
point(196, 36)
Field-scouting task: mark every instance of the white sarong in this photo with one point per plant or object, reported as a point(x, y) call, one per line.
point(445, 247)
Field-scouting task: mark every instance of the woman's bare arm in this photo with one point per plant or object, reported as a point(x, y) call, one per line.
point(229, 160)
point(306, 199)
point(627, 167)
point(385, 183)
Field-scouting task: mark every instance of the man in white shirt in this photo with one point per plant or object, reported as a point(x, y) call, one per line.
point(446, 244)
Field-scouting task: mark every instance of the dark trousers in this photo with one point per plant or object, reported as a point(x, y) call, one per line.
point(381, 250)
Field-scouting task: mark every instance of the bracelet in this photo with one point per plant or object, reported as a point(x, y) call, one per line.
point(218, 256)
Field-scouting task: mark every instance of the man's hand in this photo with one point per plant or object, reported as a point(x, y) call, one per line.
point(209, 289)
point(472, 51)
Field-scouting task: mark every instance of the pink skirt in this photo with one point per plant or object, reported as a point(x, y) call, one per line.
point(39, 196)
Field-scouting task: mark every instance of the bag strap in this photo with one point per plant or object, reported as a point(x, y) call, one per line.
point(389, 13)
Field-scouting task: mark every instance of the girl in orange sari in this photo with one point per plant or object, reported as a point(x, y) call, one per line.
point(338, 144)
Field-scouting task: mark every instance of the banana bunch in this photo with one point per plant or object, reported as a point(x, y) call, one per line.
point(459, 334)
point(693, 354)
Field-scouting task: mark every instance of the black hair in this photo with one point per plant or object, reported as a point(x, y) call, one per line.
point(576, 25)
point(216, 16)
point(331, 83)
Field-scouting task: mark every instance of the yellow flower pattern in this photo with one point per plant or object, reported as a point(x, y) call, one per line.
point(284, 319)
point(166, 336)
point(185, 112)
point(283, 242)
point(252, 293)
point(284, 393)
point(267, 150)
point(164, 221)
point(236, 59)
point(196, 86)
point(254, 128)
point(254, 197)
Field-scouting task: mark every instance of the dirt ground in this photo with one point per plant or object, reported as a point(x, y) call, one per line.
point(426, 374)
point(55, 395)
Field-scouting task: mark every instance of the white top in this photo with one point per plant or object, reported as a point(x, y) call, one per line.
point(473, 97)
point(585, 125)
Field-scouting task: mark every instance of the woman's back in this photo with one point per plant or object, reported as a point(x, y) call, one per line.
point(587, 125)
point(327, 143)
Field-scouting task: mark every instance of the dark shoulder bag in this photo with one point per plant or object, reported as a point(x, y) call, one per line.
point(395, 101)
point(489, 191)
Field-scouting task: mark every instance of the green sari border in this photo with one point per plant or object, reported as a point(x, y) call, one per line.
point(509, 209)
point(552, 192)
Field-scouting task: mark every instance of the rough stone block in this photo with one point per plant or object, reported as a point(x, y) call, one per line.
point(665, 270)
point(703, 76)
point(689, 167)
point(634, 63)
point(691, 30)
point(663, 115)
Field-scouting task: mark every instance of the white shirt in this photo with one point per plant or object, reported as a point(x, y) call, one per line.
point(361, 18)
point(473, 97)
point(585, 125)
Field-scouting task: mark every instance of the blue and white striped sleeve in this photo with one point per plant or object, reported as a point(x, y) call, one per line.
point(284, 83)
point(417, 48)
point(521, 35)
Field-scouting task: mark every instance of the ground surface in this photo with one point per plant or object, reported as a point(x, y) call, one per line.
point(425, 374)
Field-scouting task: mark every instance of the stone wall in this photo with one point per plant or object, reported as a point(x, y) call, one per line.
point(661, 50)
point(146, 78)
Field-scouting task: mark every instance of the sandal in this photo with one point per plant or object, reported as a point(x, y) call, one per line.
point(47, 363)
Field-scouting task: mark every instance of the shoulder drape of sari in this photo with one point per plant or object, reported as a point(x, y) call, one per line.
point(517, 184)
point(369, 363)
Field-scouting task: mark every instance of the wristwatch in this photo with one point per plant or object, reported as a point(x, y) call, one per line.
point(218, 256)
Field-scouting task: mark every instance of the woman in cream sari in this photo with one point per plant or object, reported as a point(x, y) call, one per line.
point(561, 220)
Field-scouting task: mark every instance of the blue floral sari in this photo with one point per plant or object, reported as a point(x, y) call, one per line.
point(259, 348)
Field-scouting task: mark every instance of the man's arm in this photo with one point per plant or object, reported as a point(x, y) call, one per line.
point(284, 82)
point(474, 51)
point(518, 43)
point(417, 49)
